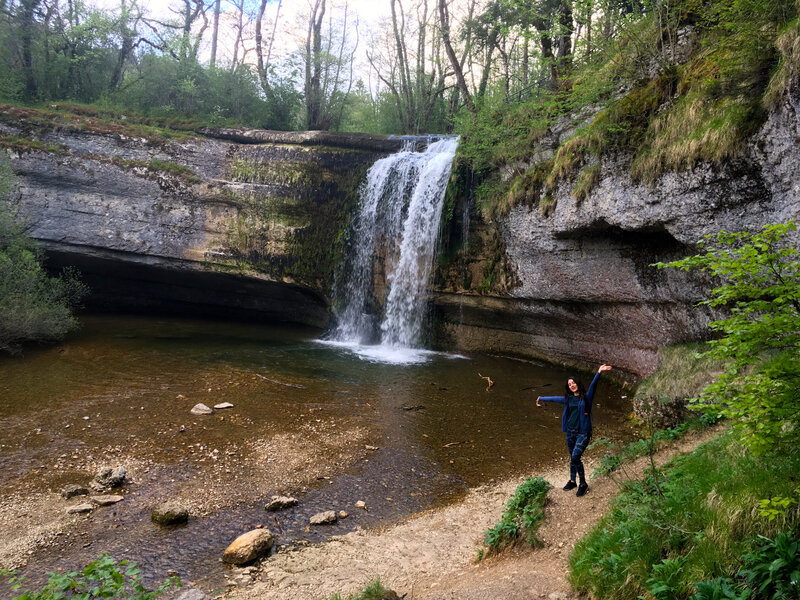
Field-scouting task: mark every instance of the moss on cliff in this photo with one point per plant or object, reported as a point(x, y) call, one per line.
point(291, 223)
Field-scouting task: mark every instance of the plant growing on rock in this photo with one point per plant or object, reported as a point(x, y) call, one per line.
point(758, 342)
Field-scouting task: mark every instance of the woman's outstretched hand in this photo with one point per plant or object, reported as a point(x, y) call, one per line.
point(604, 368)
point(537, 401)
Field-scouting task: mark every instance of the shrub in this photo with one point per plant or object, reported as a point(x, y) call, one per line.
point(101, 578)
point(523, 514)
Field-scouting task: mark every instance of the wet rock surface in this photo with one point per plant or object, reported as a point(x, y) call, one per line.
point(577, 283)
point(248, 547)
point(170, 513)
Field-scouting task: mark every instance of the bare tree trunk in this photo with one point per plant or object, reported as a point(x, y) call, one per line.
point(444, 19)
point(27, 9)
point(215, 35)
point(263, 64)
point(313, 68)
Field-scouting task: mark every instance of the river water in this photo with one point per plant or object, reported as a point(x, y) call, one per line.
point(401, 437)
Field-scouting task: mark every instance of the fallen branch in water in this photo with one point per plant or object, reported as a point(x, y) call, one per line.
point(292, 385)
point(488, 380)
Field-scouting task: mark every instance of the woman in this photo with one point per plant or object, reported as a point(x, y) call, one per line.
point(576, 423)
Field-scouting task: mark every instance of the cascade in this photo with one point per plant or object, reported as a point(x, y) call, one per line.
point(398, 226)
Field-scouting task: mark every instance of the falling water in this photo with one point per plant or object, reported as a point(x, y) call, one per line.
point(401, 207)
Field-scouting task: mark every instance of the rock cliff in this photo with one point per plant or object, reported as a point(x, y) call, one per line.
point(572, 282)
point(229, 223)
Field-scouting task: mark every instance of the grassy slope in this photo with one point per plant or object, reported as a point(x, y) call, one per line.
point(630, 100)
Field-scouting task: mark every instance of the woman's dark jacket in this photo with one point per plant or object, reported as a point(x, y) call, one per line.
point(584, 406)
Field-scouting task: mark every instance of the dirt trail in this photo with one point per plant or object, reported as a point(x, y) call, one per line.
point(431, 556)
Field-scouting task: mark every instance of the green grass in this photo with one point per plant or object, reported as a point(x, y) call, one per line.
point(694, 521)
point(680, 375)
point(373, 591)
point(522, 517)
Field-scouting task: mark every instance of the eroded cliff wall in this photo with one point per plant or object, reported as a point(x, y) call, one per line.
point(571, 281)
point(230, 223)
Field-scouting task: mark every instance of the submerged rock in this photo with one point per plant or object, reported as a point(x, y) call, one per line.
point(249, 546)
point(71, 490)
point(222, 405)
point(170, 513)
point(201, 409)
point(280, 502)
point(324, 518)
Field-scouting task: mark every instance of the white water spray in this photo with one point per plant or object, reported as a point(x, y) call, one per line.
point(401, 208)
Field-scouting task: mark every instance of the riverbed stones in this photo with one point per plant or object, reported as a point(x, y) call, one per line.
point(201, 409)
point(83, 507)
point(343, 514)
point(277, 503)
point(106, 500)
point(361, 504)
point(73, 489)
point(323, 518)
point(249, 546)
point(108, 477)
point(169, 513)
point(223, 405)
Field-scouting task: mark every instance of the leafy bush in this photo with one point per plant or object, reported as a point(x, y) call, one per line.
point(758, 343)
point(34, 306)
point(773, 569)
point(101, 578)
point(523, 513)
point(700, 514)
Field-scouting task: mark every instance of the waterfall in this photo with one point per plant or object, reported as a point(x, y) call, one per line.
point(397, 226)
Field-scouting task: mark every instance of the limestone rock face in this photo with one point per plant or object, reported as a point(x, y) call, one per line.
point(249, 546)
point(233, 223)
point(579, 286)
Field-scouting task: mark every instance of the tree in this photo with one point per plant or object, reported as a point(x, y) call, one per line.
point(758, 343)
point(35, 306)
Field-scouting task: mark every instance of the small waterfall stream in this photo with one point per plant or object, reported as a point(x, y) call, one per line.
point(397, 227)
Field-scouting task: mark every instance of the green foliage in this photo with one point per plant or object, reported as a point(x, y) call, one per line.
point(758, 343)
point(612, 460)
point(773, 569)
point(373, 591)
point(523, 514)
point(35, 306)
point(101, 578)
point(775, 507)
point(720, 589)
point(694, 521)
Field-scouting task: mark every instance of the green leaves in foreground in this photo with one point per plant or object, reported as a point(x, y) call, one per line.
point(101, 578)
point(758, 343)
point(524, 513)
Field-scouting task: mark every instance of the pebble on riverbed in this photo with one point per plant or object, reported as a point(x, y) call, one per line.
point(107, 477)
point(106, 500)
point(222, 405)
point(280, 502)
point(71, 490)
point(201, 409)
point(84, 507)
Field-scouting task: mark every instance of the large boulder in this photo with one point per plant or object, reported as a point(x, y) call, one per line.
point(249, 546)
point(170, 513)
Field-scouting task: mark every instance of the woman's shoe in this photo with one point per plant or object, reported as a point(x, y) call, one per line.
point(571, 485)
point(582, 488)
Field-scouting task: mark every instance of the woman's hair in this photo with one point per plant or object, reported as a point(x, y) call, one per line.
point(581, 389)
